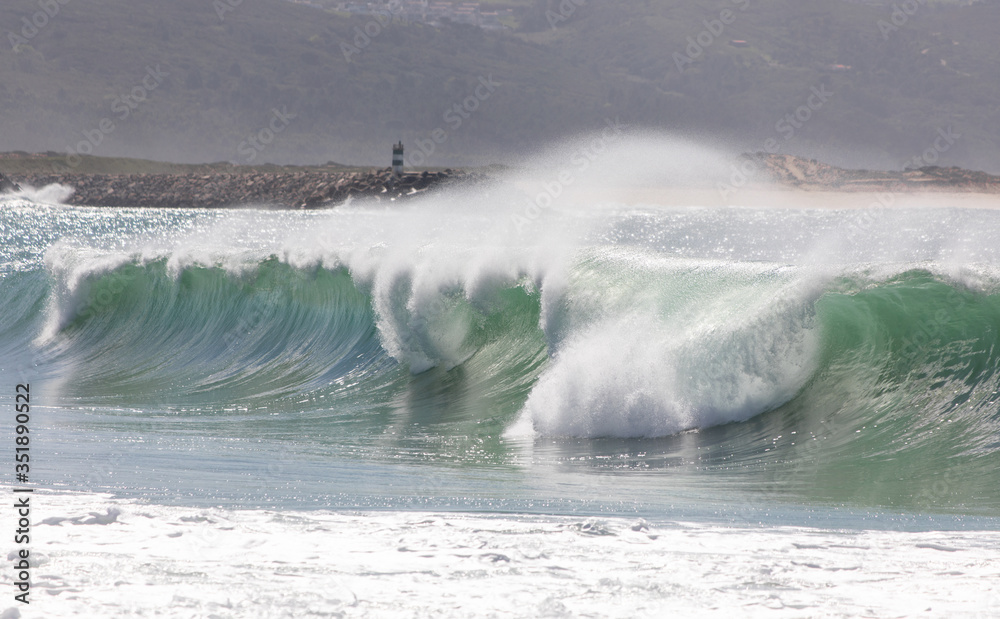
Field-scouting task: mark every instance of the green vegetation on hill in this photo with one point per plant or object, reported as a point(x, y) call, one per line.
point(281, 82)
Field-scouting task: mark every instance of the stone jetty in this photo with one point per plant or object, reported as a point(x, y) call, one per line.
point(8, 185)
point(281, 189)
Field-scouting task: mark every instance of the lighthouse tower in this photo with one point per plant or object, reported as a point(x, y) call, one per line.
point(397, 158)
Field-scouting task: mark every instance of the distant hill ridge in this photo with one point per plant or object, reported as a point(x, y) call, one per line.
point(220, 81)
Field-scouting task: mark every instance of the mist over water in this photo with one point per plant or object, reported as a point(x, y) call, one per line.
point(592, 310)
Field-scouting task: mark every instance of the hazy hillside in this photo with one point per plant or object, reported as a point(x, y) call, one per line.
point(312, 89)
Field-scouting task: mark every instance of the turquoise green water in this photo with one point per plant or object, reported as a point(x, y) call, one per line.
point(643, 360)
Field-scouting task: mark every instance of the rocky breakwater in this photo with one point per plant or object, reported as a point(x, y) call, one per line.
point(283, 189)
point(8, 185)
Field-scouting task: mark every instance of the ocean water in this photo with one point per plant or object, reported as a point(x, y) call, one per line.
point(485, 402)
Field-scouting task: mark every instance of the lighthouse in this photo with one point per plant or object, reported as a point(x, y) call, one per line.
point(397, 158)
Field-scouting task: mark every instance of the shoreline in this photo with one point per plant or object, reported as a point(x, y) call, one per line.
point(758, 179)
point(760, 196)
point(441, 554)
point(811, 175)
